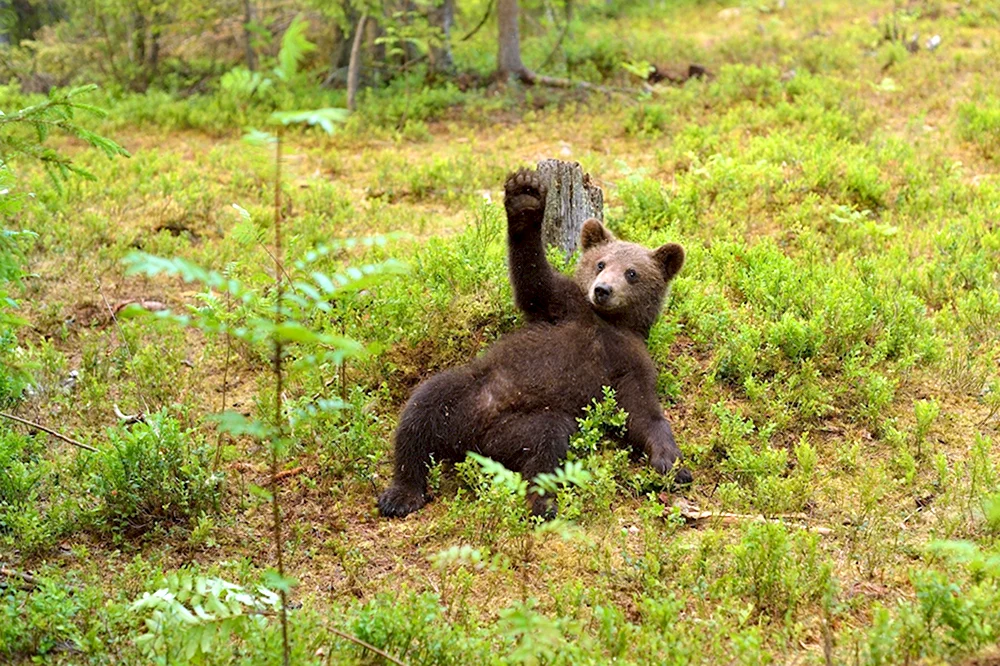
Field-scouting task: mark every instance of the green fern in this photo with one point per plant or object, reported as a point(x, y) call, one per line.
point(294, 47)
point(196, 617)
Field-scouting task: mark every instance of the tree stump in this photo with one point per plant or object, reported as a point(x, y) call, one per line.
point(572, 200)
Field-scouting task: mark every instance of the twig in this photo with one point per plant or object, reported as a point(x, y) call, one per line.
point(482, 22)
point(367, 646)
point(278, 376)
point(138, 380)
point(55, 434)
point(694, 515)
point(562, 35)
point(275, 260)
point(285, 473)
point(225, 386)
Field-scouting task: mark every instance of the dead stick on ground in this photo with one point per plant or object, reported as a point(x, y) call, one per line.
point(531, 78)
point(367, 646)
point(55, 434)
point(723, 517)
point(284, 474)
point(693, 515)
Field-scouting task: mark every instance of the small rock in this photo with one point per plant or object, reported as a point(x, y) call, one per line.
point(933, 42)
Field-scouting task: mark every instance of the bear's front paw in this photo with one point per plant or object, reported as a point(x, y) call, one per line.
point(524, 195)
point(669, 464)
point(542, 507)
point(399, 501)
point(682, 476)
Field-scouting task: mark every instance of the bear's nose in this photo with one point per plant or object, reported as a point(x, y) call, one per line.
point(602, 293)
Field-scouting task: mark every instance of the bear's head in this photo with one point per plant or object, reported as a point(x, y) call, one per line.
point(625, 283)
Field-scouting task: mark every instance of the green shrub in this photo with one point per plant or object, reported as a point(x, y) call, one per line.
point(776, 570)
point(414, 629)
point(40, 622)
point(648, 120)
point(980, 124)
point(153, 474)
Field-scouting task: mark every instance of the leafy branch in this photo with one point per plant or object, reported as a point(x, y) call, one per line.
point(58, 112)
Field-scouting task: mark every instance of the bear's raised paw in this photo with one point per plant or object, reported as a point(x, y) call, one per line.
point(524, 191)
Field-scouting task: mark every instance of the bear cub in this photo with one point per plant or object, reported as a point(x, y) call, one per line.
point(518, 403)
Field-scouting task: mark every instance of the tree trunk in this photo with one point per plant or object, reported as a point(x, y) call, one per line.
point(354, 68)
point(139, 38)
point(153, 61)
point(6, 27)
point(248, 18)
point(571, 201)
point(509, 56)
point(441, 57)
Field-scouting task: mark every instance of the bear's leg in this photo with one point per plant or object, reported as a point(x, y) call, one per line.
point(533, 444)
point(434, 424)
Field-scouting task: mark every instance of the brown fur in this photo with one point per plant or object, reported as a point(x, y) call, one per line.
point(518, 404)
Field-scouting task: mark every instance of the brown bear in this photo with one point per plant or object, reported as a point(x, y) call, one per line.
point(518, 403)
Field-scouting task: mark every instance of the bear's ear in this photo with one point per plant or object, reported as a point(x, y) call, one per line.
point(593, 234)
point(670, 258)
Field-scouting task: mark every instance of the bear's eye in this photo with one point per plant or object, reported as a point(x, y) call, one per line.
point(600, 266)
point(631, 276)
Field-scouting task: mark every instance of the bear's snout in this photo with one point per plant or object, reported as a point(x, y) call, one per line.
point(602, 293)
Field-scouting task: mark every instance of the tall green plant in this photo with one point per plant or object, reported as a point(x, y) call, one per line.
point(278, 317)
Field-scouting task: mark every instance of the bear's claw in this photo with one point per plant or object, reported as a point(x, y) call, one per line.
point(399, 501)
point(682, 477)
point(524, 189)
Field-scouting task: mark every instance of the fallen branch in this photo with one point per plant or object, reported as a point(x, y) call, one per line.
point(284, 474)
point(55, 434)
point(367, 646)
point(693, 515)
point(150, 306)
point(533, 79)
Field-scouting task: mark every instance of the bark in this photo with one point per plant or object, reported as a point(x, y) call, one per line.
point(509, 63)
point(571, 201)
point(6, 26)
point(155, 31)
point(249, 53)
point(441, 57)
point(138, 38)
point(354, 68)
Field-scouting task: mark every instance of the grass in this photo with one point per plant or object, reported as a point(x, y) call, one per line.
point(828, 358)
